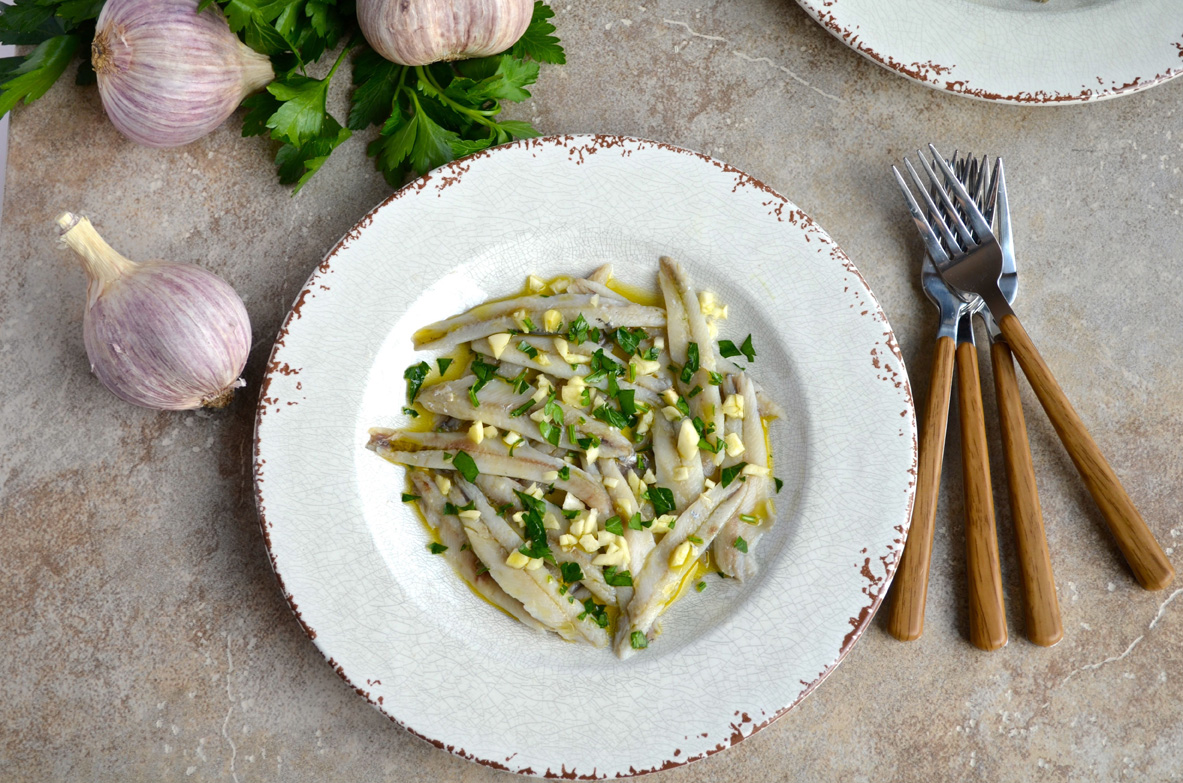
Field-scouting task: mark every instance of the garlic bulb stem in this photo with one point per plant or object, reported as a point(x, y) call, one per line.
point(102, 263)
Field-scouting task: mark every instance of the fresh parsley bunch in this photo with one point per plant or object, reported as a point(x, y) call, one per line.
point(427, 115)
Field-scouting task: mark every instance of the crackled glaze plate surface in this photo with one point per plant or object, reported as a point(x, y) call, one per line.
point(1016, 51)
point(408, 635)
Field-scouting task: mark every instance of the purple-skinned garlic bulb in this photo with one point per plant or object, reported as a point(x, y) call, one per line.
point(169, 75)
point(158, 334)
point(419, 32)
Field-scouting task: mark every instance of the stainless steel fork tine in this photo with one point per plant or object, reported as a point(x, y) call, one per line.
point(967, 239)
point(932, 242)
point(975, 215)
point(1001, 209)
point(935, 212)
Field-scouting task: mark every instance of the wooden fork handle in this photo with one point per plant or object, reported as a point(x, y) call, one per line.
point(1142, 551)
point(1041, 607)
point(906, 621)
point(987, 614)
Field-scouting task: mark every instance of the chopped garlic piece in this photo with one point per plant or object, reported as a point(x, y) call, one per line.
point(591, 522)
point(649, 478)
point(647, 367)
point(470, 514)
point(550, 521)
point(707, 302)
point(610, 482)
point(733, 406)
point(538, 415)
point(721, 314)
point(511, 438)
point(560, 285)
point(734, 445)
point(635, 483)
point(708, 483)
point(572, 503)
point(680, 555)
point(659, 342)
point(593, 453)
point(576, 528)
point(567, 542)
point(671, 413)
point(498, 342)
point(520, 317)
point(535, 492)
point(542, 360)
point(534, 564)
point(712, 329)
point(534, 284)
point(664, 523)
point(550, 475)
point(594, 301)
point(490, 431)
point(646, 422)
point(444, 484)
point(681, 473)
point(476, 433)
point(520, 517)
point(756, 470)
point(688, 440)
point(517, 560)
point(588, 543)
point(604, 538)
point(552, 320)
point(670, 396)
point(573, 392)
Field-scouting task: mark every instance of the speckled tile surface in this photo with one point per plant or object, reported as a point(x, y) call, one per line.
point(143, 636)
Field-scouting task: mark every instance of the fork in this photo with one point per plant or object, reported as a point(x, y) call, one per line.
point(973, 265)
point(954, 348)
point(1044, 625)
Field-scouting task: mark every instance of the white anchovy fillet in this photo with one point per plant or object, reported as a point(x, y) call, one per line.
point(459, 552)
point(707, 404)
point(729, 559)
point(602, 274)
point(428, 450)
point(732, 426)
point(559, 369)
point(498, 401)
point(677, 329)
point(588, 286)
point(640, 542)
point(665, 454)
point(500, 490)
point(658, 581)
point(496, 317)
point(537, 589)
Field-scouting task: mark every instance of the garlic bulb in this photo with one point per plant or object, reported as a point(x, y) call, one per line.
point(418, 32)
point(161, 335)
point(169, 75)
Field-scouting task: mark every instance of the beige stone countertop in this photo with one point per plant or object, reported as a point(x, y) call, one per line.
point(144, 638)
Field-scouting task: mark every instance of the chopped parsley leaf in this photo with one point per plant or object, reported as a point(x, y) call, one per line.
point(636, 524)
point(443, 364)
point(565, 473)
point(740, 544)
point(697, 390)
point(465, 465)
point(627, 400)
point(700, 586)
point(628, 339)
point(621, 579)
point(571, 572)
point(577, 332)
point(550, 432)
point(694, 539)
point(528, 349)
point(414, 414)
point(716, 379)
point(408, 497)
point(682, 406)
point(522, 409)
point(436, 548)
point(613, 525)
point(691, 365)
point(730, 473)
point(414, 376)
point(637, 640)
point(779, 483)
point(662, 499)
point(610, 416)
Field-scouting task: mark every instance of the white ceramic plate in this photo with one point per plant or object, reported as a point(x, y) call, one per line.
point(1015, 51)
point(402, 629)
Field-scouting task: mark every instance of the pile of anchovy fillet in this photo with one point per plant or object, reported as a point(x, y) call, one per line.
point(586, 455)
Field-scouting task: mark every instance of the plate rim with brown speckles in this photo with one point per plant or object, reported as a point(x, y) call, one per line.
point(333, 520)
point(1014, 51)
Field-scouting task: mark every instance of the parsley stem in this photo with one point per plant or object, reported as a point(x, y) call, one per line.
point(480, 116)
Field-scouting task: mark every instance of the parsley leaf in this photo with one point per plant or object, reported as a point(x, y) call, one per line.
point(465, 464)
point(614, 525)
point(610, 416)
point(779, 483)
point(537, 43)
point(408, 497)
point(730, 473)
point(37, 73)
point(437, 548)
point(415, 375)
point(571, 572)
point(662, 499)
point(740, 544)
point(617, 579)
point(443, 364)
point(691, 365)
point(727, 349)
point(637, 640)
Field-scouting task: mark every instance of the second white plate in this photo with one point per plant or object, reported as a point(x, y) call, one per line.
point(1015, 51)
